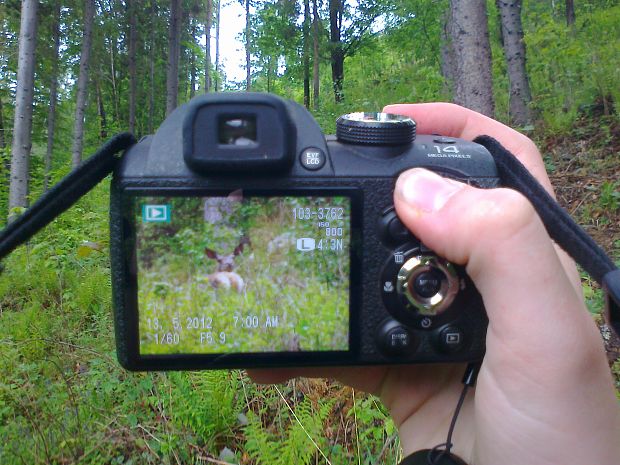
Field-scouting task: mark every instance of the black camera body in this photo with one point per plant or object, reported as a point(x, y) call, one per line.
point(241, 236)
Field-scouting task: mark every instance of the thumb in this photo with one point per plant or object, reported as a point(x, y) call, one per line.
point(531, 304)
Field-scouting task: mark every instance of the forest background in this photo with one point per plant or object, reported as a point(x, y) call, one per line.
point(84, 70)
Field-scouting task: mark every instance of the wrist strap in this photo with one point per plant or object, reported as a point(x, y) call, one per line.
point(560, 227)
point(64, 194)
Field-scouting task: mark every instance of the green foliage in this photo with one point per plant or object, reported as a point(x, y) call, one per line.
point(376, 434)
point(208, 404)
point(573, 70)
point(297, 438)
point(610, 195)
point(593, 295)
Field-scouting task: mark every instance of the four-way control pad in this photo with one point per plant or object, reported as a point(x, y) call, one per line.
point(433, 305)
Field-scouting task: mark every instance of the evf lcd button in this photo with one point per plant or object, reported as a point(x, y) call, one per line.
point(312, 158)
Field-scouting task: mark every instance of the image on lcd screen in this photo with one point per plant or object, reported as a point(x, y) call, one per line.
point(243, 274)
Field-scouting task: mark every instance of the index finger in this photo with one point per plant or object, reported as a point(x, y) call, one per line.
point(453, 120)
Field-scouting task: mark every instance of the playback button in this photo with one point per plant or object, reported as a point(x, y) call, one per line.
point(451, 339)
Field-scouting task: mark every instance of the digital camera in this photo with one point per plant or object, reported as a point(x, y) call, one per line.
point(242, 236)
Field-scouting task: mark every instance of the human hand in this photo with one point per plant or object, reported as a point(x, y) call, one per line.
point(544, 393)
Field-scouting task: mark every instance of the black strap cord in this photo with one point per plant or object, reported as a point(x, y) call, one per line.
point(560, 226)
point(441, 454)
point(65, 193)
point(435, 455)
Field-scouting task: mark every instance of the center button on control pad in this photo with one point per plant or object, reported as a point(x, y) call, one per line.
point(418, 287)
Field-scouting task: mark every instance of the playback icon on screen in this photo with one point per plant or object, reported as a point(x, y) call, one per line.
point(156, 213)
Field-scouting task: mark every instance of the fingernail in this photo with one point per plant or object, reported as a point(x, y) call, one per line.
point(426, 191)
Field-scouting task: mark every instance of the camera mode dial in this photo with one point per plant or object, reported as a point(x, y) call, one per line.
point(375, 129)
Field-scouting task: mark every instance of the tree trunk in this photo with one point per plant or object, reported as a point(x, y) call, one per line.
point(217, 45)
point(306, 38)
point(82, 85)
point(470, 38)
point(192, 60)
point(336, 8)
point(316, 21)
point(248, 32)
point(103, 124)
point(51, 112)
point(514, 48)
point(2, 140)
point(570, 13)
point(174, 50)
point(115, 93)
point(22, 126)
point(152, 13)
point(132, 7)
point(269, 74)
point(208, 27)
point(447, 58)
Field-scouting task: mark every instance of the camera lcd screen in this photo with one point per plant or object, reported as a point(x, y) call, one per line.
point(237, 274)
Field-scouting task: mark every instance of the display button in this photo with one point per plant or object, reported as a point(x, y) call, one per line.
point(398, 341)
point(451, 339)
point(395, 339)
point(313, 158)
point(428, 283)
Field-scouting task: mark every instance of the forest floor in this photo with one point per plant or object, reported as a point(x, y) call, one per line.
point(584, 168)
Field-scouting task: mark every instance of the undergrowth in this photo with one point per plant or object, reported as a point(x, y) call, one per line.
point(64, 398)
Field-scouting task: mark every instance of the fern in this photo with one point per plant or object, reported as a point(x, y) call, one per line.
point(298, 443)
point(260, 444)
point(208, 404)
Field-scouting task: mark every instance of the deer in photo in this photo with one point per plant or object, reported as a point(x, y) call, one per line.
point(225, 277)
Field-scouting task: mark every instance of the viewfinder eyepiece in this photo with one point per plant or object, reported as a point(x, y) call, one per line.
point(238, 133)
